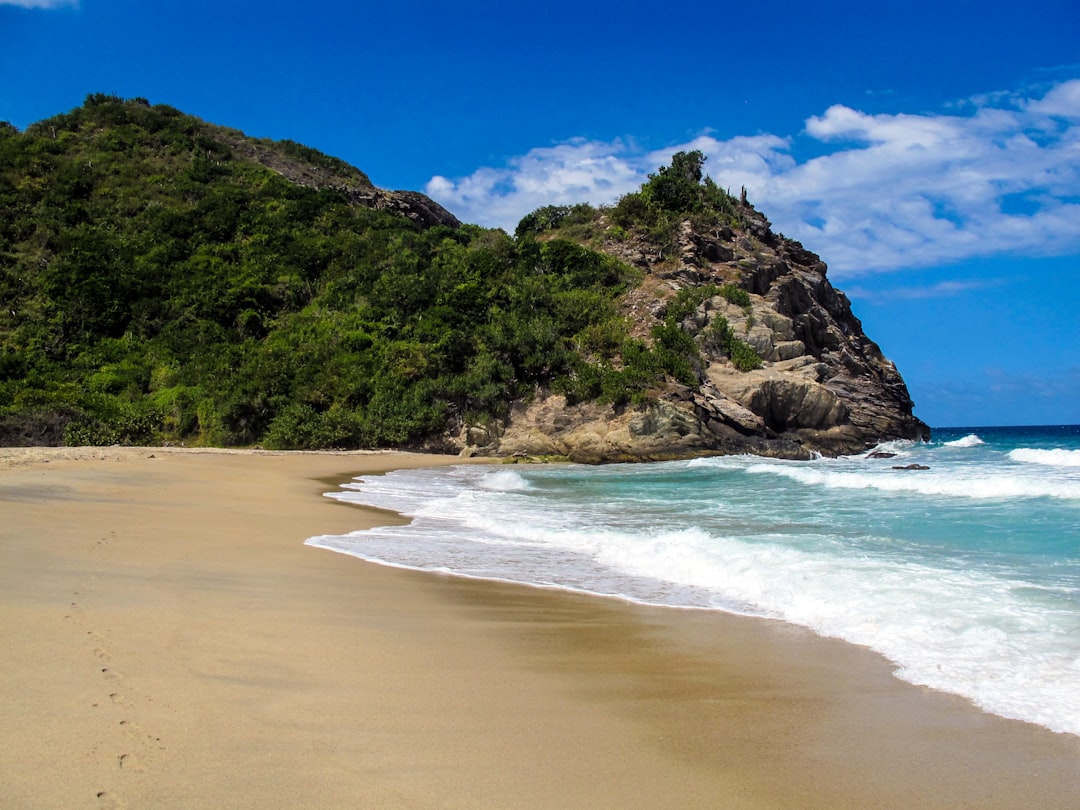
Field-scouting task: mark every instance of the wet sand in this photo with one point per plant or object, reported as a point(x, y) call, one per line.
point(168, 641)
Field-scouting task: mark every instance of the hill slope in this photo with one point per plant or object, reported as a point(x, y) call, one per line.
point(780, 364)
point(165, 279)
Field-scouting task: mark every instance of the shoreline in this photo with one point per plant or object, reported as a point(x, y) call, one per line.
point(172, 642)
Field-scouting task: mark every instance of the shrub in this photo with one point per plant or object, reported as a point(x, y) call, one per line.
point(688, 299)
point(676, 353)
point(735, 295)
point(742, 355)
point(632, 211)
point(551, 217)
point(106, 421)
point(300, 426)
point(676, 188)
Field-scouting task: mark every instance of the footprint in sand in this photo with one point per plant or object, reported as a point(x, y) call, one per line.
point(148, 742)
point(111, 674)
point(108, 801)
point(129, 762)
point(102, 542)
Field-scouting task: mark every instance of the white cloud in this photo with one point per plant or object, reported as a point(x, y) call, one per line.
point(39, 3)
point(1063, 100)
point(572, 172)
point(890, 191)
point(935, 291)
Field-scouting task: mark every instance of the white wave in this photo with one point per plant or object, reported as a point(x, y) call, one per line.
point(951, 483)
point(1052, 458)
point(504, 481)
point(723, 462)
point(897, 447)
point(996, 636)
point(957, 630)
point(971, 440)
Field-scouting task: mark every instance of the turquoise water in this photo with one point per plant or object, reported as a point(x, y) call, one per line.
point(966, 575)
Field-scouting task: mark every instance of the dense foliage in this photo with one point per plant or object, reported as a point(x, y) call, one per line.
point(160, 284)
point(157, 285)
point(676, 193)
point(550, 217)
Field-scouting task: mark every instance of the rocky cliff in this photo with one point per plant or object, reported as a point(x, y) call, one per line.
point(823, 387)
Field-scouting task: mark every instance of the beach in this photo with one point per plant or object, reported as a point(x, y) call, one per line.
point(169, 641)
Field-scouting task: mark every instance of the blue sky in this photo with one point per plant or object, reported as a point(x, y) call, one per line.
point(928, 151)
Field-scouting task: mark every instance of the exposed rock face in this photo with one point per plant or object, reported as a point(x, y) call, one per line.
point(421, 209)
point(824, 386)
point(356, 185)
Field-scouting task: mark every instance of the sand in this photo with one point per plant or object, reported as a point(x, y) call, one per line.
point(168, 641)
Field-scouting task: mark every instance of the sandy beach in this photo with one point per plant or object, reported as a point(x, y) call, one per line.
point(169, 641)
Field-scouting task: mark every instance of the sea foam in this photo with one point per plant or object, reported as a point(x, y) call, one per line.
point(971, 440)
point(504, 481)
point(966, 575)
point(944, 482)
point(1057, 457)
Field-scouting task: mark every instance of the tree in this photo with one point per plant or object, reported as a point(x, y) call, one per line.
point(677, 188)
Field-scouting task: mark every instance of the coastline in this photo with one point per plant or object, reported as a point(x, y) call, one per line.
point(171, 642)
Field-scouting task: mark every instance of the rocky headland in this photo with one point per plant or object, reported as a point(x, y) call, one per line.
point(823, 387)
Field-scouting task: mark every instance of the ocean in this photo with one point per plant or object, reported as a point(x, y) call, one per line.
point(966, 575)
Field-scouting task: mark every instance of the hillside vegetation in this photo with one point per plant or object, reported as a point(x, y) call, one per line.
point(167, 280)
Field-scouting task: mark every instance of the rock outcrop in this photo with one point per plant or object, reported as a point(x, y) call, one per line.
point(823, 386)
point(349, 180)
point(421, 209)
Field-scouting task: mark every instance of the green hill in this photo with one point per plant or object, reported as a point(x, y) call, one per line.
point(167, 280)
point(164, 279)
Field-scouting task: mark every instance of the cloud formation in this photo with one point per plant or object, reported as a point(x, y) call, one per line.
point(883, 192)
point(935, 291)
point(572, 172)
